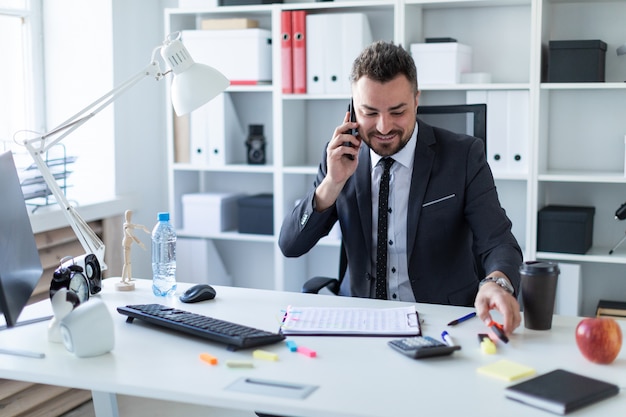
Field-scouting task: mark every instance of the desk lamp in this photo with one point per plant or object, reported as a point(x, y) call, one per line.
point(193, 85)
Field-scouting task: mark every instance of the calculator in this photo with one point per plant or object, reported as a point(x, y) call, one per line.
point(422, 347)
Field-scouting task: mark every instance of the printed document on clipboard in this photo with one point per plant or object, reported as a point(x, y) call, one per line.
point(350, 321)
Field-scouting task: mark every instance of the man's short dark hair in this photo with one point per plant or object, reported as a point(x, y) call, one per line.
point(383, 61)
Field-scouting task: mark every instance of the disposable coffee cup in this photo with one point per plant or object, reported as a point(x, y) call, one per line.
point(539, 280)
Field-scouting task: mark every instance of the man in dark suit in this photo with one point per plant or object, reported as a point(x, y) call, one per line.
point(448, 239)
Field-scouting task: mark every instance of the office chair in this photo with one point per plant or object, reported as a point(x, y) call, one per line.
point(316, 284)
point(440, 117)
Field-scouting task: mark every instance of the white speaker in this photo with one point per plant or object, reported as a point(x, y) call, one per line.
point(88, 330)
point(63, 302)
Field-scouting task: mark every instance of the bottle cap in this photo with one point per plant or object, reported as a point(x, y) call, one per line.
point(164, 217)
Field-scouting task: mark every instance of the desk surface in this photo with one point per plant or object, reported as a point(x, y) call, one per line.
point(350, 371)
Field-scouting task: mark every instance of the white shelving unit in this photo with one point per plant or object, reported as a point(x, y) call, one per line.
point(575, 151)
point(579, 143)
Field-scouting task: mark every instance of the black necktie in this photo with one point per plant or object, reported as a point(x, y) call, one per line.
point(381, 246)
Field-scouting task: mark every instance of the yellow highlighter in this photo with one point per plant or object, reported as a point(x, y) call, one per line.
point(486, 344)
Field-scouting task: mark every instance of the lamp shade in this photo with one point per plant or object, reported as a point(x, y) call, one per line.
point(194, 84)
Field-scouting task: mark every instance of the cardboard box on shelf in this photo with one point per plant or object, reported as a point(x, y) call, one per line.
point(441, 62)
point(208, 214)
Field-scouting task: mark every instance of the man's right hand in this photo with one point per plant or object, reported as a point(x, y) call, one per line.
point(340, 166)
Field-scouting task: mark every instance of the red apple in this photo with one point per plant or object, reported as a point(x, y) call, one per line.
point(599, 339)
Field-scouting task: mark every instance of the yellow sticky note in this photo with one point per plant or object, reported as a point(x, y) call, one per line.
point(506, 370)
point(264, 354)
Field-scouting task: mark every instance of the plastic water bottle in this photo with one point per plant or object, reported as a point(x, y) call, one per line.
point(163, 257)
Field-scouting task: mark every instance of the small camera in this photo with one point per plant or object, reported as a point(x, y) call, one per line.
point(256, 145)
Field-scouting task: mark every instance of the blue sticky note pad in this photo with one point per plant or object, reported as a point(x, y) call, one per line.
point(292, 345)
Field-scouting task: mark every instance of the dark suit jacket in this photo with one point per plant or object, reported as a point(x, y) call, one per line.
point(457, 229)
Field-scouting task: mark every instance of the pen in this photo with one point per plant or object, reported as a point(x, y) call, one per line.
point(447, 338)
point(462, 319)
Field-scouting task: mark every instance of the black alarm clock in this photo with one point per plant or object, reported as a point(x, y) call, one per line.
point(91, 269)
point(72, 278)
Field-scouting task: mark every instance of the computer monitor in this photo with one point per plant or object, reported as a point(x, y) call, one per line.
point(20, 265)
point(461, 118)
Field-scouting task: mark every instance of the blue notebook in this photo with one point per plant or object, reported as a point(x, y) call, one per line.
point(561, 391)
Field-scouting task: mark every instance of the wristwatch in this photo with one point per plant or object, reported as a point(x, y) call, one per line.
point(501, 281)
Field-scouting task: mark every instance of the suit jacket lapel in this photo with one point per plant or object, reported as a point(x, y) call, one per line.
point(422, 166)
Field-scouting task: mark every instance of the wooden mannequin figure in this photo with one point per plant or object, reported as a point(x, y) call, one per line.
point(126, 283)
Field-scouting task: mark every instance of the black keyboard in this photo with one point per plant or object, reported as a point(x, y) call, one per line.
point(236, 336)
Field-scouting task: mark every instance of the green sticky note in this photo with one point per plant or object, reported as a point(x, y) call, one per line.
point(506, 370)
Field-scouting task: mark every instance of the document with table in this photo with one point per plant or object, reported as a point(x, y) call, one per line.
point(337, 321)
point(353, 376)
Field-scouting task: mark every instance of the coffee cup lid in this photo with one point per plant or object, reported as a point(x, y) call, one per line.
point(537, 267)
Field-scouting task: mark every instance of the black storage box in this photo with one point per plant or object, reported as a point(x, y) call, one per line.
point(576, 61)
point(256, 214)
point(567, 229)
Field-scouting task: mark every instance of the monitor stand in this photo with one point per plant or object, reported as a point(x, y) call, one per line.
point(26, 322)
point(21, 352)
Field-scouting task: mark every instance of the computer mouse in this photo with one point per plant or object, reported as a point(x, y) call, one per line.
point(199, 292)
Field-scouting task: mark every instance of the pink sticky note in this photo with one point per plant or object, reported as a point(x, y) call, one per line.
point(306, 351)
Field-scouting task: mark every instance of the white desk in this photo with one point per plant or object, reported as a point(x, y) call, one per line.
point(350, 371)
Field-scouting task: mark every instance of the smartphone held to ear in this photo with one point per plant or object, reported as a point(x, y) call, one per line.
point(353, 132)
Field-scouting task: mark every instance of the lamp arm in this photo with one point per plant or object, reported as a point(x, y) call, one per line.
point(88, 239)
point(38, 146)
point(46, 141)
